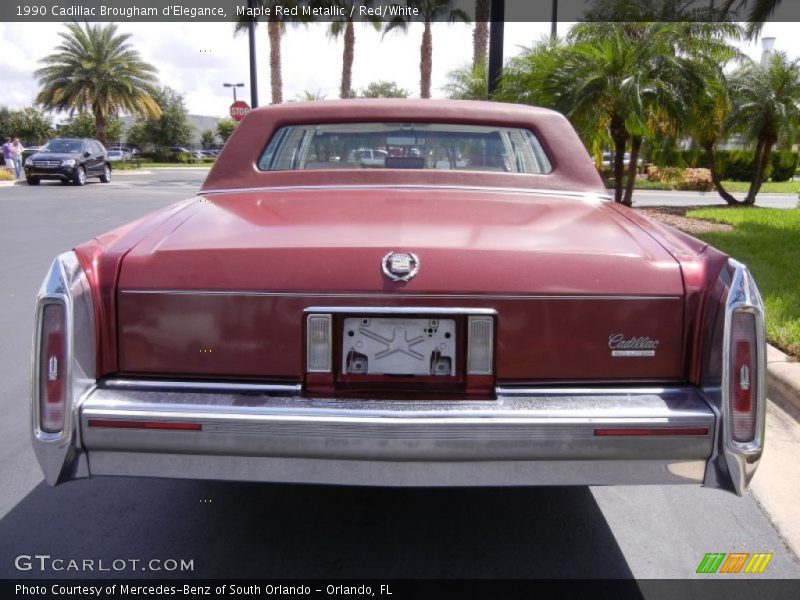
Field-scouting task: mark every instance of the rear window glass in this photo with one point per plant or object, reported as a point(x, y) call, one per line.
point(439, 146)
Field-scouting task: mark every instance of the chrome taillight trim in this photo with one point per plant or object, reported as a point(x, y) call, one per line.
point(742, 457)
point(49, 298)
point(65, 284)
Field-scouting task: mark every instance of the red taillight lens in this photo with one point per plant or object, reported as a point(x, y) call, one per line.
point(53, 368)
point(743, 376)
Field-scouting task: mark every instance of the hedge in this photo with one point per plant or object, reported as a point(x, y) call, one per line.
point(736, 165)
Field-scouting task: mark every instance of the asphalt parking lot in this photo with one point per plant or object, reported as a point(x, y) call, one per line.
point(253, 530)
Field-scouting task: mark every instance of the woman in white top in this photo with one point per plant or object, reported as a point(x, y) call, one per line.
point(16, 156)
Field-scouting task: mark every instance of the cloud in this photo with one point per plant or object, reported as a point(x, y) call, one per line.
point(197, 58)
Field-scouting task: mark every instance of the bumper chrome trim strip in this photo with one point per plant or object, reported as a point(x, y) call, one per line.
point(210, 386)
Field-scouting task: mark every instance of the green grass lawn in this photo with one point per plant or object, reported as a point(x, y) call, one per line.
point(768, 241)
point(768, 187)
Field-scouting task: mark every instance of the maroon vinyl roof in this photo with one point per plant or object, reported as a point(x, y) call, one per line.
point(236, 168)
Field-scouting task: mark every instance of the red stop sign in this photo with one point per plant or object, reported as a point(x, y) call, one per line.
point(239, 109)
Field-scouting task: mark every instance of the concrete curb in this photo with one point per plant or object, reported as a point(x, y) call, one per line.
point(783, 380)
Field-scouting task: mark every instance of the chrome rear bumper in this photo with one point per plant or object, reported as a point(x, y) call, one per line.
point(525, 437)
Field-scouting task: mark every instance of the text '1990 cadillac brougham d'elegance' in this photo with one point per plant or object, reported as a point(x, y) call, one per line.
point(467, 308)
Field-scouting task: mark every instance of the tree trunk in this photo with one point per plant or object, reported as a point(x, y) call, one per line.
point(347, 61)
point(480, 34)
point(276, 79)
point(636, 144)
point(763, 154)
point(100, 125)
point(426, 62)
point(712, 166)
point(620, 137)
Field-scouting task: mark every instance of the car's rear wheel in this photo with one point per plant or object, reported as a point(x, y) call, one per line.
point(106, 176)
point(80, 176)
point(32, 180)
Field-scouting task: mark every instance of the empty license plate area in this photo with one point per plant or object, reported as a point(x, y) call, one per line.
point(399, 346)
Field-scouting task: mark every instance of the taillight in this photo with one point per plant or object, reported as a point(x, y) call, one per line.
point(53, 368)
point(479, 349)
point(318, 343)
point(743, 375)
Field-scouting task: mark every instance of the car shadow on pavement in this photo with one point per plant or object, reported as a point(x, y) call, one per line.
point(270, 530)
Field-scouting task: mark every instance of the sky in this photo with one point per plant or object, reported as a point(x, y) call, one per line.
point(197, 58)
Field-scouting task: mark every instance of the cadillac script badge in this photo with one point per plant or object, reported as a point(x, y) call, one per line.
point(400, 266)
point(634, 346)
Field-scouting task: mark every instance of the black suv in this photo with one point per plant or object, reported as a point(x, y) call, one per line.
point(69, 160)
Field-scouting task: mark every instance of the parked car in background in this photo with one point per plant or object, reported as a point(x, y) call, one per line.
point(493, 321)
point(118, 155)
point(28, 151)
point(368, 157)
point(608, 160)
point(69, 160)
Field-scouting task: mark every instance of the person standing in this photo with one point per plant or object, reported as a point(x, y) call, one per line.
point(16, 156)
point(8, 155)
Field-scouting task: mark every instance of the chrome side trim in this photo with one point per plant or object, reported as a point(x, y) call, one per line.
point(511, 392)
point(400, 310)
point(743, 458)
point(211, 386)
point(59, 454)
point(466, 188)
point(399, 295)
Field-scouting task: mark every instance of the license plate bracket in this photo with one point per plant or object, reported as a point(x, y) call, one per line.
point(399, 346)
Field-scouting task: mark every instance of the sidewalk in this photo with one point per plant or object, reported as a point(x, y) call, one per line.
point(777, 481)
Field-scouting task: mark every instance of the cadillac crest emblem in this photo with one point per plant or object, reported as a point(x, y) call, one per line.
point(400, 266)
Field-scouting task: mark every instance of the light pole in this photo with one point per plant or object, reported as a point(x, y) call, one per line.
point(234, 86)
point(498, 15)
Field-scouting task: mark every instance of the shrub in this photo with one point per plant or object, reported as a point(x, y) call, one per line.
point(696, 180)
point(691, 179)
point(162, 155)
point(784, 165)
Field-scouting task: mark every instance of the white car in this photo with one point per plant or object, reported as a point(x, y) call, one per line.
point(117, 155)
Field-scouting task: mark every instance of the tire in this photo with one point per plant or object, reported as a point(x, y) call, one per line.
point(80, 176)
point(106, 176)
point(32, 180)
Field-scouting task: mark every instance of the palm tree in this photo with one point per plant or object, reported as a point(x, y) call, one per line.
point(643, 75)
point(309, 96)
point(468, 83)
point(759, 12)
point(766, 108)
point(94, 68)
point(344, 26)
point(480, 34)
point(708, 112)
point(275, 28)
point(428, 11)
